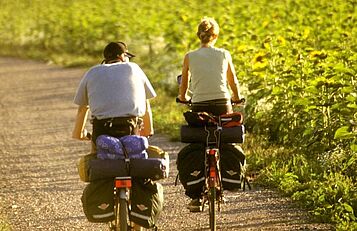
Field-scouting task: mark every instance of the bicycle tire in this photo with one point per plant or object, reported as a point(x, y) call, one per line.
point(123, 215)
point(212, 208)
point(115, 226)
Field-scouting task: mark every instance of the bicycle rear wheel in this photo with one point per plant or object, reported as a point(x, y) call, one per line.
point(123, 212)
point(212, 208)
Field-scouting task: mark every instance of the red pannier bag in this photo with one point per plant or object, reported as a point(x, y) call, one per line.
point(234, 119)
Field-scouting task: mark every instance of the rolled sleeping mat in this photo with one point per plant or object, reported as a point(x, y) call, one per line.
point(153, 168)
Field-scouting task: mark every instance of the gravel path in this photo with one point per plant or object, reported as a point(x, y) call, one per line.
point(39, 185)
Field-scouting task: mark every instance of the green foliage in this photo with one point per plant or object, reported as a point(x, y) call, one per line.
point(162, 110)
point(302, 82)
point(327, 185)
point(334, 199)
point(296, 60)
point(287, 172)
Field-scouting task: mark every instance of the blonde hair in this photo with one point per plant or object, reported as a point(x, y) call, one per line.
point(207, 30)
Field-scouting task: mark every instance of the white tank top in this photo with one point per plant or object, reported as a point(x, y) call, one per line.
point(208, 67)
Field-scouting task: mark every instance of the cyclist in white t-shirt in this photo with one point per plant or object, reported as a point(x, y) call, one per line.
point(117, 94)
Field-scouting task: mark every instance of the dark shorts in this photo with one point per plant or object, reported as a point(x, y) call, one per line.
point(116, 127)
point(216, 107)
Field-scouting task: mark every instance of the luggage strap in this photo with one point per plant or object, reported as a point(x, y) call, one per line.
point(127, 166)
point(127, 160)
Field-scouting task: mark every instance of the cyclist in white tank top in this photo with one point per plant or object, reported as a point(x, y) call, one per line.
point(208, 70)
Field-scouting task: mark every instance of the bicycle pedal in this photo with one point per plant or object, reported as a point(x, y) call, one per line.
point(196, 209)
point(196, 205)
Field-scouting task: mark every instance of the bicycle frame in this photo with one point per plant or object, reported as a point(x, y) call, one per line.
point(213, 192)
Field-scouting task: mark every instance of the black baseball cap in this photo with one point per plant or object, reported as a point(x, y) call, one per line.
point(114, 49)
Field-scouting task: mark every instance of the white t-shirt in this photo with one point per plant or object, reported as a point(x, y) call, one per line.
point(208, 67)
point(115, 90)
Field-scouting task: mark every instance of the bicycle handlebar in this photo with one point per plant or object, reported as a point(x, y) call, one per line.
point(183, 102)
point(89, 135)
point(241, 101)
point(189, 103)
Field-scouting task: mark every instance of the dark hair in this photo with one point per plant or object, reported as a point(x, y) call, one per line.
point(115, 49)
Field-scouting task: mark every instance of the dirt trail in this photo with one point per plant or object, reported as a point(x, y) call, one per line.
point(39, 185)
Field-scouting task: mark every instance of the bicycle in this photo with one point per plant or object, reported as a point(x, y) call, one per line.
point(122, 202)
point(213, 189)
point(122, 207)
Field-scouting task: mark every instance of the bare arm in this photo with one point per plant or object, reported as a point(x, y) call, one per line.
point(233, 82)
point(184, 81)
point(81, 118)
point(148, 129)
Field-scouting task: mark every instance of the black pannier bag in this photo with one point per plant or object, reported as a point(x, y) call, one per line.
point(190, 166)
point(147, 201)
point(197, 123)
point(199, 119)
point(232, 161)
point(98, 201)
point(195, 134)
